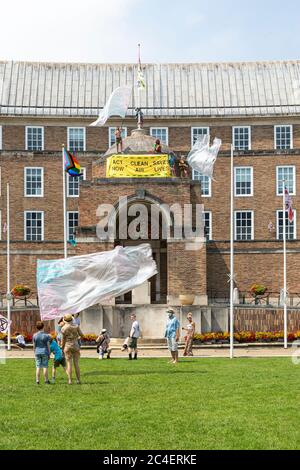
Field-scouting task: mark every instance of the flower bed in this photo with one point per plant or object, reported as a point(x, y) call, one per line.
point(246, 337)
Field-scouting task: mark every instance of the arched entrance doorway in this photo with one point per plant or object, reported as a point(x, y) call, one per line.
point(144, 232)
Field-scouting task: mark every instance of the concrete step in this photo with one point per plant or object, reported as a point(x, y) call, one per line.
point(147, 342)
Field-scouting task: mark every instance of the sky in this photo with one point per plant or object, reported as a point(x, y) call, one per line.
point(168, 30)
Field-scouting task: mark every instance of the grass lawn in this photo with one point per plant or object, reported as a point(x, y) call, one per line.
point(150, 404)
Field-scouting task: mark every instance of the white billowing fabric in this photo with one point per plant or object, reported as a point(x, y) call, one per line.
point(116, 105)
point(202, 157)
point(74, 284)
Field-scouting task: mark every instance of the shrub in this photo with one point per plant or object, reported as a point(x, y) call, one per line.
point(258, 289)
point(20, 291)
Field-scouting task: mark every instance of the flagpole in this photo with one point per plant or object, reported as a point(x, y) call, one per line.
point(285, 313)
point(232, 259)
point(8, 295)
point(139, 90)
point(64, 205)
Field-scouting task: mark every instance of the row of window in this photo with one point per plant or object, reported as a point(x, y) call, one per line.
point(244, 225)
point(241, 137)
point(34, 182)
point(243, 181)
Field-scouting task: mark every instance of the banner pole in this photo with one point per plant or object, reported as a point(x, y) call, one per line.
point(64, 205)
point(232, 258)
point(285, 314)
point(8, 296)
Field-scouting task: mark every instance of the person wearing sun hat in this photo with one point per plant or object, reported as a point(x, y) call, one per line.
point(70, 335)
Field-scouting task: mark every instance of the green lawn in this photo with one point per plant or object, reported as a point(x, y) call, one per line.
point(150, 404)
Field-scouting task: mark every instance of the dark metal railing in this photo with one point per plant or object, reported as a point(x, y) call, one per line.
point(270, 299)
point(25, 301)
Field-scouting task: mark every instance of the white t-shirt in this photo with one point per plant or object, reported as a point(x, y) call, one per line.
point(20, 339)
point(135, 330)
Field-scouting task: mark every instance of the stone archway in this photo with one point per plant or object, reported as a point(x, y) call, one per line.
point(159, 283)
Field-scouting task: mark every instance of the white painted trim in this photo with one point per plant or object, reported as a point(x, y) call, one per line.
point(68, 180)
point(277, 224)
point(113, 128)
point(33, 168)
point(281, 183)
point(192, 132)
point(26, 137)
point(68, 226)
point(250, 136)
point(210, 223)
point(252, 181)
point(210, 186)
point(235, 224)
point(84, 137)
point(162, 128)
point(292, 135)
point(43, 218)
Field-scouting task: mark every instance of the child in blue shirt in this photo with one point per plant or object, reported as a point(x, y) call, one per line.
point(59, 358)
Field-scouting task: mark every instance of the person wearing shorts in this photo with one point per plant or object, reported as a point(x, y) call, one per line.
point(59, 358)
point(134, 335)
point(70, 335)
point(172, 334)
point(41, 347)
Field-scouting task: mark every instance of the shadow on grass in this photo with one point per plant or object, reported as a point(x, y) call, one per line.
point(146, 372)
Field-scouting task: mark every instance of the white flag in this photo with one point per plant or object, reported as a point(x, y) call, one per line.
point(74, 284)
point(141, 84)
point(202, 157)
point(116, 105)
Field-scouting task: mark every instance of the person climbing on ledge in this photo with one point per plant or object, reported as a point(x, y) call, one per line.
point(172, 163)
point(140, 117)
point(119, 140)
point(183, 167)
point(157, 146)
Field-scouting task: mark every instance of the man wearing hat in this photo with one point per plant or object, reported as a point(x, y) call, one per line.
point(172, 334)
point(103, 341)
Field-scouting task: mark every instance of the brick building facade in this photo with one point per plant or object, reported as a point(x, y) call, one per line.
point(254, 106)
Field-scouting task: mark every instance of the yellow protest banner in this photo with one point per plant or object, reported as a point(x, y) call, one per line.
point(138, 166)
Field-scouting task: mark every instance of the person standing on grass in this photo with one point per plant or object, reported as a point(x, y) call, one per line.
point(70, 335)
point(172, 334)
point(190, 333)
point(59, 358)
point(41, 347)
point(60, 323)
point(134, 335)
point(77, 321)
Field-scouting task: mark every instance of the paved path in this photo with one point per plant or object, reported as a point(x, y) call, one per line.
point(161, 353)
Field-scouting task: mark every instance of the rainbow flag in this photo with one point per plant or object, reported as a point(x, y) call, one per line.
point(72, 165)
